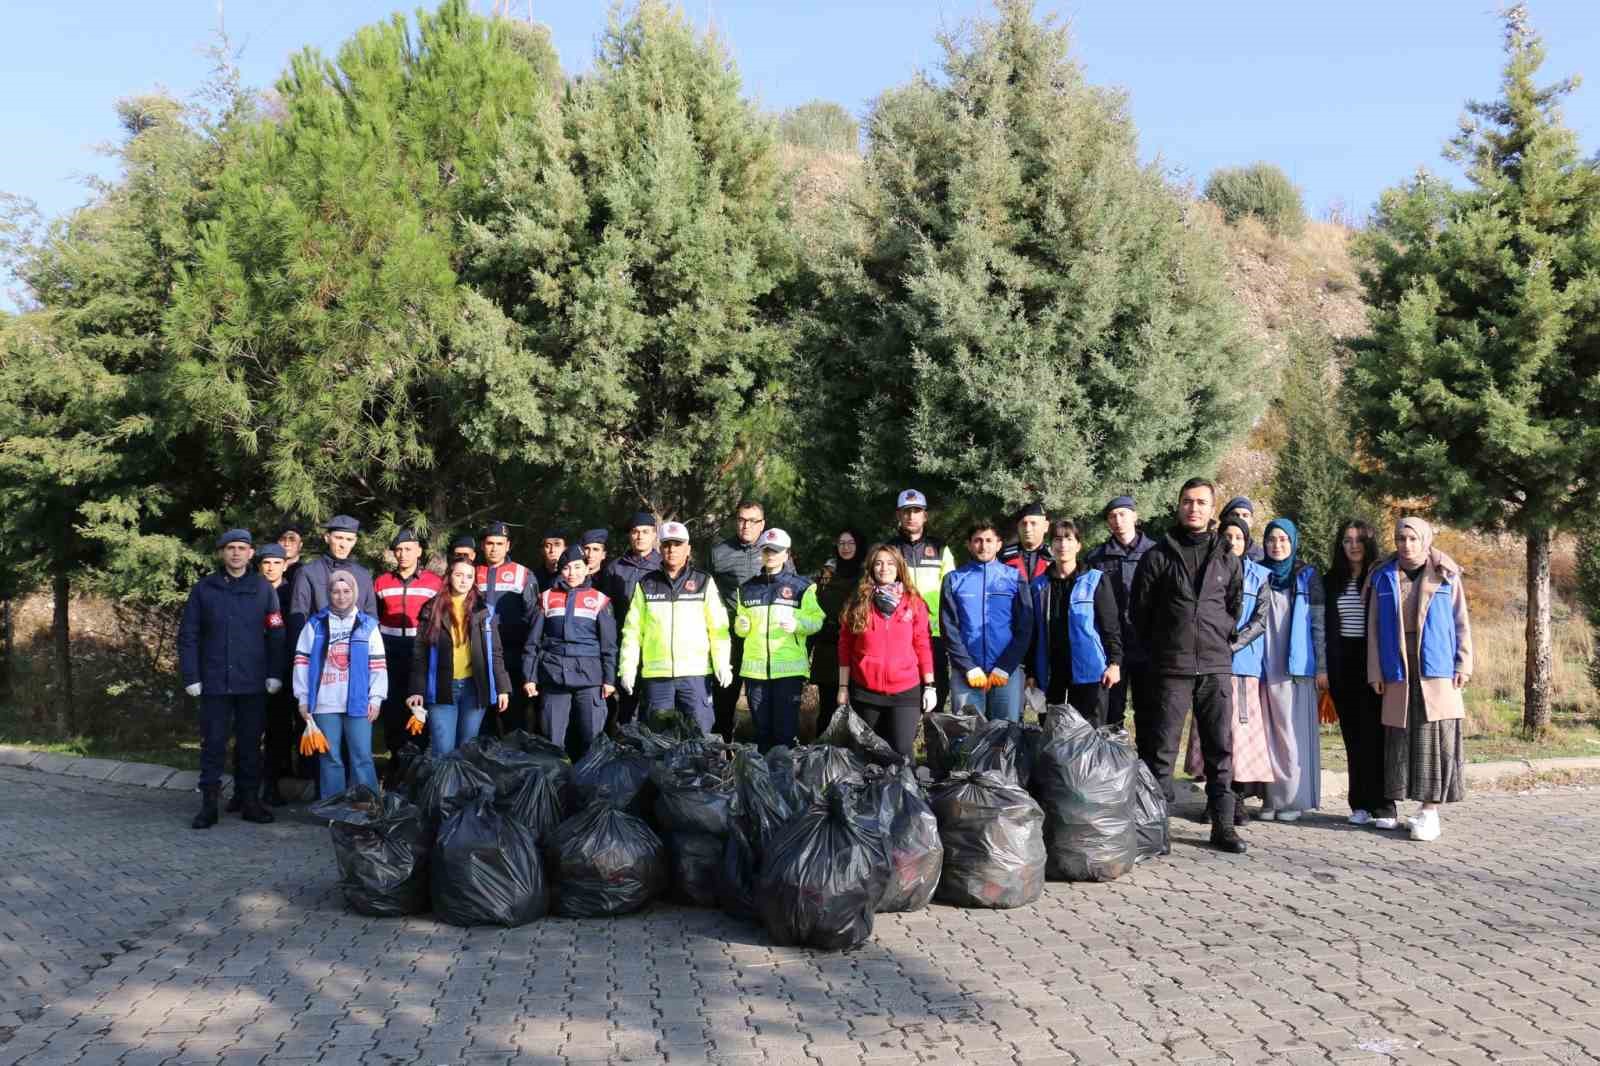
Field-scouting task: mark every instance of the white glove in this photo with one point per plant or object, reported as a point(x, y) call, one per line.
point(930, 699)
point(741, 626)
point(787, 623)
point(274, 686)
point(193, 690)
point(626, 681)
point(724, 674)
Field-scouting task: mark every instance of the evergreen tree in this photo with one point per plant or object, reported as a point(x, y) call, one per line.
point(328, 344)
point(1480, 384)
point(1022, 311)
point(1315, 481)
point(642, 250)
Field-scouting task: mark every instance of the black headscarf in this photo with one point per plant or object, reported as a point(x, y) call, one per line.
point(849, 569)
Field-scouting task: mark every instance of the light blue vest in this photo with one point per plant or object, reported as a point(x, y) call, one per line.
point(360, 661)
point(1438, 629)
point(1249, 660)
point(1302, 655)
point(1088, 653)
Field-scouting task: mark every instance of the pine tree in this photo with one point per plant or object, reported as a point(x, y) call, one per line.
point(643, 251)
point(1023, 310)
point(1480, 385)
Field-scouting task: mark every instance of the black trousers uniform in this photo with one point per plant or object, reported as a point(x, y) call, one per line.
point(394, 714)
point(725, 701)
point(1361, 723)
point(1158, 735)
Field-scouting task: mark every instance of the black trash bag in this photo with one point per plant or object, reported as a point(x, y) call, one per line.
point(452, 782)
point(356, 805)
point(543, 751)
point(487, 869)
point(1087, 784)
point(505, 764)
point(699, 753)
point(606, 862)
point(417, 772)
point(542, 801)
point(944, 735)
point(1009, 747)
point(622, 773)
point(781, 768)
point(674, 726)
point(693, 795)
point(916, 855)
point(1150, 817)
point(636, 736)
point(383, 862)
point(696, 867)
point(847, 729)
point(823, 874)
point(403, 760)
point(758, 811)
point(820, 765)
point(993, 839)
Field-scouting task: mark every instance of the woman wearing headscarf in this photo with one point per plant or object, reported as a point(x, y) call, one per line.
point(1354, 555)
point(1252, 762)
point(1293, 670)
point(834, 585)
point(340, 679)
point(1419, 657)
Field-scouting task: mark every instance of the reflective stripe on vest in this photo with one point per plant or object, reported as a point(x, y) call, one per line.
point(1088, 653)
point(398, 631)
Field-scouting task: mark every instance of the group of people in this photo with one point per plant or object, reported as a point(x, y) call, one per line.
point(1201, 622)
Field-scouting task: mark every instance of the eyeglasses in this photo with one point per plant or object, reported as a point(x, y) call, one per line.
point(751, 521)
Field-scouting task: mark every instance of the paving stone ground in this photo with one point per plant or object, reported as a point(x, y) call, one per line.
point(126, 937)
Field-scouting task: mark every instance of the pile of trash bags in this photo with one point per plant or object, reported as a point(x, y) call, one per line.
point(812, 841)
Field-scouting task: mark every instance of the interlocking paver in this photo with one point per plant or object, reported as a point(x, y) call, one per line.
point(128, 936)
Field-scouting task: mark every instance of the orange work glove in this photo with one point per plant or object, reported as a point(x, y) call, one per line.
point(417, 722)
point(998, 678)
point(977, 679)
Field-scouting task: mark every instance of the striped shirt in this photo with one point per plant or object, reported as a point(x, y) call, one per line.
point(1352, 612)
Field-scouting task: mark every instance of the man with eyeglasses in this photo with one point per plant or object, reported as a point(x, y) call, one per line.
point(733, 562)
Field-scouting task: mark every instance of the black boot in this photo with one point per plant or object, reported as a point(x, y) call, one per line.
point(1241, 815)
point(235, 802)
point(270, 794)
point(1224, 837)
point(254, 811)
point(208, 808)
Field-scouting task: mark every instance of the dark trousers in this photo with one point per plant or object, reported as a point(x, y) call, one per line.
point(1140, 687)
point(775, 708)
point(941, 673)
point(581, 710)
point(895, 722)
point(1089, 699)
point(519, 707)
point(689, 696)
point(726, 700)
point(1158, 735)
point(1361, 723)
point(283, 725)
point(244, 716)
point(394, 714)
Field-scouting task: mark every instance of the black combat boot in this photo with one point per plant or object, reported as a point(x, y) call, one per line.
point(1224, 837)
point(270, 794)
point(255, 811)
point(208, 808)
point(235, 800)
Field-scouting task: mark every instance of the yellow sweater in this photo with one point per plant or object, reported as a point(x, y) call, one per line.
point(461, 659)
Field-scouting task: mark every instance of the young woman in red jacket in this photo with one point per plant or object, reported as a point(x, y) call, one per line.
point(885, 651)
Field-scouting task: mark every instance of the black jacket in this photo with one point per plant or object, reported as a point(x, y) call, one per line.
point(1119, 564)
point(1049, 612)
point(231, 636)
point(484, 659)
point(1187, 625)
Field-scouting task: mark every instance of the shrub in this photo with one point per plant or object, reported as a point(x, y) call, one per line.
point(1262, 190)
point(821, 126)
point(1589, 592)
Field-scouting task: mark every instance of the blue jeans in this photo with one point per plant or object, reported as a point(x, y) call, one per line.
point(775, 708)
point(689, 696)
point(349, 740)
point(452, 724)
point(996, 704)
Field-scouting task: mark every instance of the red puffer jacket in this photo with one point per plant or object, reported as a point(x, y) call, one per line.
point(895, 653)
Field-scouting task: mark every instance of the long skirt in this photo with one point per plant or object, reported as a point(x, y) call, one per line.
point(1294, 744)
point(1251, 760)
point(1424, 761)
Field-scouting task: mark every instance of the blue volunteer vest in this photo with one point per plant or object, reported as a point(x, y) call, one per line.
point(1248, 661)
point(360, 661)
point(1302, 656)
point(985, 596)
point(1088, 653)
point(1438, 629)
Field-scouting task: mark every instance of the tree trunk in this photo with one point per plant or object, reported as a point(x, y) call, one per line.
point(61, 630)
point(1537, 681)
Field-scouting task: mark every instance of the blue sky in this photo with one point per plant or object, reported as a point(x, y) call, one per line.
point(1347, 97)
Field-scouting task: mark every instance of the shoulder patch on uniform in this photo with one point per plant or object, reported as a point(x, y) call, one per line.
point(928, 551)
point(689, 586)
point(274, 620)
point(786, 592)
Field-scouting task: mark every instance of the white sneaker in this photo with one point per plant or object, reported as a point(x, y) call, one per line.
point(1359, 817)
point(1386, 823)
point(1288, 816)
point(1266, 814)
point(1425, 826)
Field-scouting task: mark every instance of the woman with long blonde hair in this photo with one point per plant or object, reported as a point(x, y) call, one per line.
point(885, 650)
